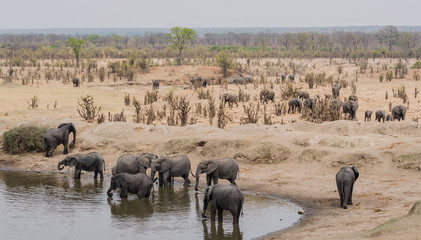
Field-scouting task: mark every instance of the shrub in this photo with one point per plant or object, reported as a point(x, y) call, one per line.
point(87, 109)
point(417, 65)
point(24, 139)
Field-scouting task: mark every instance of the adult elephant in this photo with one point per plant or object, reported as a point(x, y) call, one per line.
point(345, 180)
point(139, 184)
point(353, 98)
point(133, 163)
point(380, 115)
point(398, 112)
point(230, 99)
point(310, 103)
point(90, 162)
point(335, 90)
point(169, 167)
point(283, 77)
point(367, 115)
point(266, 95)
point(303, 95)
point(291, 78)
point(350, 107)
point(76, 82)
point(225, 168)
point(293, 104)
point(337, 104)
point(57, 136)
point(155, 84)
point(223, 197)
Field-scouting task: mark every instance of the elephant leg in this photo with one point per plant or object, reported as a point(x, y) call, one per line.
point(186, 180)
point(165, 178)
point(235, 216)
point(215, 179)
point(96, 174)
point(220, 211)
point(77, 173)
point(101, 174)
point(213, 212)
point(209, 180)
point(65, 144)
point(161, 179)
point(350, 195)
point(347, 191)
point(124, 192)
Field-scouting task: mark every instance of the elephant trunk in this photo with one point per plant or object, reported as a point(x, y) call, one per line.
point(59, 164)
point(153, 170)
point(109, 192)
point(197, 180)
point(205, 207)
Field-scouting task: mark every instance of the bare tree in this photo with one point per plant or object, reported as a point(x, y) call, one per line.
point(11, 49)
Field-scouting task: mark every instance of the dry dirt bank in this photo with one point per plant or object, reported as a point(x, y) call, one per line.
point(296, 161)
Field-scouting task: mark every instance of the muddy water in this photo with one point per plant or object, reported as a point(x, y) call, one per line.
point(55, 206)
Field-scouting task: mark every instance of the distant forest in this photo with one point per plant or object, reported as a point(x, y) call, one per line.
point(332, 42)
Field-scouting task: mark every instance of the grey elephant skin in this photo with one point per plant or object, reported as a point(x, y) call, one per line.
point(367, 115)
point(380, 115)
point(139, 184)
point(90, 162)
point(169, 167)
point(337, 104)
point(57, 136)
point(335, 90)
point(389, 117)
point(398, 112)
point(309, 103)
point(76, 82)
point(291, 78)
point(226, 168)
point(294, 104)
point(353, 98)
point(266, 95)
point(230, 99)
point(345, 180)
point(133, 163)
point(199, 81)
point(350, 107)
point(155, 84)
point(303, 95)
point(223, 197)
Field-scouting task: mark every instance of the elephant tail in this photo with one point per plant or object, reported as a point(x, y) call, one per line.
point(241, 207)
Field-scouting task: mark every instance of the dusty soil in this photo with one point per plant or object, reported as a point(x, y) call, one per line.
point(297, 161)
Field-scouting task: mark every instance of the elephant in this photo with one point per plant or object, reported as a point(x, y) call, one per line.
point(248, 79)
point(398, 112)
point(337, 104)
point(291, 78)
point(367, 115)
point(243, 80)
point(230, 98)
point(309, 103)
point(90, 162)
point(345, 180)
point(169, 167)
point(200, 82)
point(155, 84)
point(57, 136)
point(303, 95)
point(353, 98)
point(223, 197)
point(350, 107)
point(266, 95)
point(335, 90)
point(380, 115)
point(293, 104)
point(139, 184)
point(225, 168)
point(133, 163)
point(389, 117)
point(237, 81)
point(283, 77)
point(76, 82)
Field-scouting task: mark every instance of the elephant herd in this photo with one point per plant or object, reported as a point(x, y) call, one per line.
point(398, 112)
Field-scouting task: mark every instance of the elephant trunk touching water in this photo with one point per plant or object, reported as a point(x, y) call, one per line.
point(226, 168)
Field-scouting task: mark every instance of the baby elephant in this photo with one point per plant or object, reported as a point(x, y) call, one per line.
point(367, 115)
point(91, 162)
point(345, 179)
point(223, 197)
point(139, 184)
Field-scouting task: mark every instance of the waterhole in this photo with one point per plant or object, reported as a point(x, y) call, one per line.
point(55, 206)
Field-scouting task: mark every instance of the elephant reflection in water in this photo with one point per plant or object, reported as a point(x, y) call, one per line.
point(138, 208)
point(172, 198)
point(219, 233)
point(89, 186)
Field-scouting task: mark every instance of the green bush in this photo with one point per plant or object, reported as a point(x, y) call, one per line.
point(24, 139)
point(417, 65)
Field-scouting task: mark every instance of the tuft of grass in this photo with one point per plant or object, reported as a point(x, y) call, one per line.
point(24, 139)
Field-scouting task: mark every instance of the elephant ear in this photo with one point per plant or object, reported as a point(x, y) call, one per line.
point(355, 172)
point(211, 166)
point(118, 180)
point(74, 161)
point(145, 161)
point(165, 165)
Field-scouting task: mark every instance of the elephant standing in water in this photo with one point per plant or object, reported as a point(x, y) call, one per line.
point(345, 180)
point(57, 136)
point(139, 184)
point(91, 162)
point(226, 168)
point(133, 163)
point(169, 167)
point(223, 197)
point(398, 112)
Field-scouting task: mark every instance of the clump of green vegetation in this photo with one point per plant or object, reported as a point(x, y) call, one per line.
point(24, 139)
point(417, 65)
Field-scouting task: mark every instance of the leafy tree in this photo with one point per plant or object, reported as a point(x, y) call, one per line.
point(93, 38)
point(389, 35)
point(302, 40)
point(178, 38)
point(76, 45)
point(224, 61)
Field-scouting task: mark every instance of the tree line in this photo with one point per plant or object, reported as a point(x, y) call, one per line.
point(387, 42)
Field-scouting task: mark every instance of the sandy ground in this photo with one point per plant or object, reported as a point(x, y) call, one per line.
point(297, 161)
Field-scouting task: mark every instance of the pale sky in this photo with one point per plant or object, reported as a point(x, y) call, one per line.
point(24, 14)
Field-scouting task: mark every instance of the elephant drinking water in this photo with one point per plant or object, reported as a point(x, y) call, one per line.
point(91, 162)
point(139, 184)
point(169, 167)
point(226, 168)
